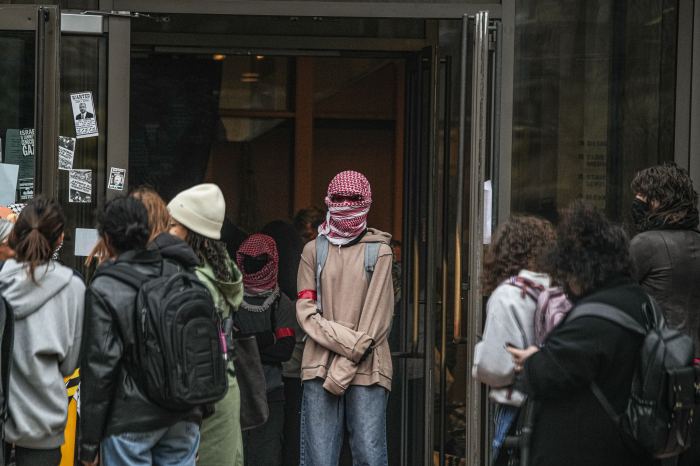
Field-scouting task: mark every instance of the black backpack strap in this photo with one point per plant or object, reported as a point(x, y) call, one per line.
point(127, 276)
point(609, 313)
point(2, 264)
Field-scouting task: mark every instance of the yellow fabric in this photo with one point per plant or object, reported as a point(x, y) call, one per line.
point(68, 447)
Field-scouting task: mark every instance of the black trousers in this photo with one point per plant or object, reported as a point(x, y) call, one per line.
point(292, 420)
point(34, 457)
point(262, 446)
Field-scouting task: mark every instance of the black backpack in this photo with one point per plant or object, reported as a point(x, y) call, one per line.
point(660, 409)
point(181, 362)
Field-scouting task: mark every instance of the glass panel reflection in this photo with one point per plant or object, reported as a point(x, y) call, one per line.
point(593, 100)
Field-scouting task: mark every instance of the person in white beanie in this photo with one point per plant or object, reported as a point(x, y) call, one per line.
point(197, 215)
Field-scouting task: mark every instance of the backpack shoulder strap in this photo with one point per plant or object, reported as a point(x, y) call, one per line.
point(129, 277)
point(321, 256)
point(609, 313)
point(371, 258)
point(526, 286)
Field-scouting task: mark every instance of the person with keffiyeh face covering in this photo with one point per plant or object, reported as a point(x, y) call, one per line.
point(346, 312)
point(267, 314)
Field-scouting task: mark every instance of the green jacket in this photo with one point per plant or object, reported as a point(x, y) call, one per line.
point(227, 295)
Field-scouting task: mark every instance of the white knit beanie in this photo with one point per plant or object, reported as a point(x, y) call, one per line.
point(5, 229)
point(201, 208)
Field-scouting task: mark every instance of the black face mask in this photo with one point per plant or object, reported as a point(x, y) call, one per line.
point(640, 213)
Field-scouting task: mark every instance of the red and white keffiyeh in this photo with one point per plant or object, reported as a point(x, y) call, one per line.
point(346, 220)
point(264, 279)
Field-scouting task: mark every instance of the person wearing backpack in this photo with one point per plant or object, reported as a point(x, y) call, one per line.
point(121, 421)
point(345, 306)
point(197, 215)
point(512, 270)
point(46, 300)
point(591, 258)
point(268, 314)
point(666, 254)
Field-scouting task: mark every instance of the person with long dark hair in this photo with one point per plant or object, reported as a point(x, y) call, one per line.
point(47, 302)
point(120, 424)
point(591, 259)
point(197, 215)
point(514, 279)
point(666, 254)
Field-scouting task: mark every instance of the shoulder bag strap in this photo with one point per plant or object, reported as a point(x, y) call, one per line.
point(371, 258)
point(609, 313)
point(321, 256)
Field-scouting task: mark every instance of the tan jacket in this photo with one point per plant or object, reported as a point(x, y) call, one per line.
point(356, 315)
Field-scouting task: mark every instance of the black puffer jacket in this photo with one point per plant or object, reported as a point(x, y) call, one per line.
point(111, 402)
point(667, 265)
point(571, 427)
point(175, 250)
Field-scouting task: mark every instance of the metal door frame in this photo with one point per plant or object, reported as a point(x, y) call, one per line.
point(45, 21)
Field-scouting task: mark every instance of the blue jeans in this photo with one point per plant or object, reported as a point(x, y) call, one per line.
point(171, 446)
point(324, 417)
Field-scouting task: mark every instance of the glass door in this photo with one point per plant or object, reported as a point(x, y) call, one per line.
point(450, 130)
point(29, 37)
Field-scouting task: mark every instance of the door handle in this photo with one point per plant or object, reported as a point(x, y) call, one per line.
point(416, 296)
point(457, 246)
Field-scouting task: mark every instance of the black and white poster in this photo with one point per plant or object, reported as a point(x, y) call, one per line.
point(66, 150)
point(19, 150)
point(116, 179)
point(80, 186)
point(84, 115)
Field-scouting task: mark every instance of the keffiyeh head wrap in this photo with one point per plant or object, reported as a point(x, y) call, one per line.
point(264, 279)
point(346, 219)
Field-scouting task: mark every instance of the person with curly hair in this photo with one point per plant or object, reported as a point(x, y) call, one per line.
point(513, 277)
point(197, 216)
point(591, 258)
point(666, 253)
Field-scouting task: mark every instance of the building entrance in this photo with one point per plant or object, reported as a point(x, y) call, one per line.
point(272, 126)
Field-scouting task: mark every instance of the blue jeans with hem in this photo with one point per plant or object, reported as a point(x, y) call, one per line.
point(176, 445)
point(324, 417)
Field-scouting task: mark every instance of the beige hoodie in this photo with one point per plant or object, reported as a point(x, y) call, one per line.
point(356, 315)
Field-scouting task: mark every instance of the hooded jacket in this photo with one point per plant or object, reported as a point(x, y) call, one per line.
point(109, 392)
point(510, 319)
point(221, 439)
point(47, 338)
point(174, 249)
point(356, 315)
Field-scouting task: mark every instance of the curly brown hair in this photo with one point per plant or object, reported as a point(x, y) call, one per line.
point(518, 244)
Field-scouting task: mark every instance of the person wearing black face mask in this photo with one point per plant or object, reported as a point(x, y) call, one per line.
point(666, 254)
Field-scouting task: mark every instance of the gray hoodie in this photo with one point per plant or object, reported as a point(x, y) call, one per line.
point(48, 331)
point(510, 319)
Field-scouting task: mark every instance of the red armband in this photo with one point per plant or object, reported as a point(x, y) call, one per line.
point(307, 294)
point(284, 332)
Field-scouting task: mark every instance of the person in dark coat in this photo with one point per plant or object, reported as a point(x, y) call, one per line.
point(289, 247)
point(666, 254)
point(591, 258)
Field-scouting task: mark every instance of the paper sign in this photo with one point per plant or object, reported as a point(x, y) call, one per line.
point(116, 178)
point(80, 186)
point(85, 241)
point(66, 150)
point(84, 115)
point(19, 150)
point(488, 211)
point(8, 183)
